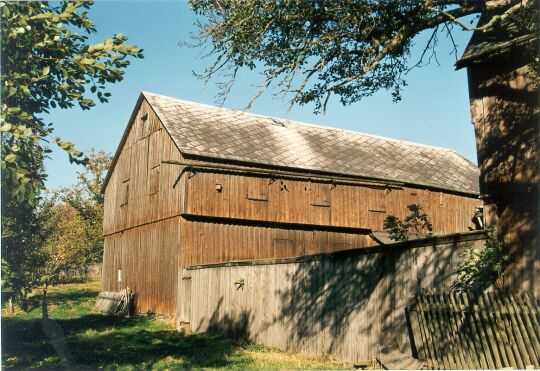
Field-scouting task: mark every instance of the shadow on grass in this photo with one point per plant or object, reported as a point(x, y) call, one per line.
point(98, 341)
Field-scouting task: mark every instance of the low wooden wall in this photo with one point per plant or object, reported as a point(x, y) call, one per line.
point(91, 272)
point(346, 304)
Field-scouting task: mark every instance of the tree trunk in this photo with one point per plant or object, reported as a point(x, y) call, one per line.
point(44, 310)
point(10, 306)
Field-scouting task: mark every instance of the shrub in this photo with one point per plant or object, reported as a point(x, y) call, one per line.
point(482, 267)
point(417, 221)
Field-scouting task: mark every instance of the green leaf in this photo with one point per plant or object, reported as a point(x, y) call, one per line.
point(34, 37)
point(5, 10)
point(10, 158)
point(27, 132)
point(88, 61)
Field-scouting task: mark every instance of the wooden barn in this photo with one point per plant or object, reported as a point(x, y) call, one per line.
point(193, 184)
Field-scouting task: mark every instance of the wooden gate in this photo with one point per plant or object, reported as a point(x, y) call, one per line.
point(463, 331)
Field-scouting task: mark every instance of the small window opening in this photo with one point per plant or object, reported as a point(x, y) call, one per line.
point(257, 189)
point(119, 275)
point(154, 180)
point(320, 194)
point(125, 193)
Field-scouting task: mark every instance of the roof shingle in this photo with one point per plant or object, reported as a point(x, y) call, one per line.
point(202, 130)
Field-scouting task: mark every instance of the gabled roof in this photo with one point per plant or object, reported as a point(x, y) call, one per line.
point(200, 130)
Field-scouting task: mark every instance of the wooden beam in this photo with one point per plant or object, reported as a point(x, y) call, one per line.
point(246, 170)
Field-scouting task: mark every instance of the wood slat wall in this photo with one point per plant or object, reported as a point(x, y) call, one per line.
point(346, 306)
point(149, 259)
point(307, 202)
point(504, 98)
point(206, 242)
point(155, 190)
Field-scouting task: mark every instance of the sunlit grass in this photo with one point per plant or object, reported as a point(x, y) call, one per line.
point(141, 342)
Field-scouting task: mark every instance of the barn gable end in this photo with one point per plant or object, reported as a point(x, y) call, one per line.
point(138, 189)
point(141, 223)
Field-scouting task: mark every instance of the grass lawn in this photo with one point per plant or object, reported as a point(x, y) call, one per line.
point(96, 341)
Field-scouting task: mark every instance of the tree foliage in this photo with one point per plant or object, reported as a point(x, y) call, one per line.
point(417, 222)
point(62, 232)
point(77, 212)
point(47, 62)
point(350, 49)
point(21, 240)
point(64, 247)
point(481, 267)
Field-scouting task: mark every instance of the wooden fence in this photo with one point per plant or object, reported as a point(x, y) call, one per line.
point(489, 331)
point(347, 304)
point(90, 272)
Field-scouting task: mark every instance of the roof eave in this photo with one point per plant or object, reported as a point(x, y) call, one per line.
point(307, 172)
point(474, 59)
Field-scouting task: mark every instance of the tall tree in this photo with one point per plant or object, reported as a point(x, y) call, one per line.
point(47, 62)
point(349, 49)
point(86, 200)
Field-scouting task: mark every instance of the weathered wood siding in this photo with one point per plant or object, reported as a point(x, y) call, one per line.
point(347, 305)
point(148, 258)
point(317, 203)
point(142, 189)
point(213, 242)
point(141, 224)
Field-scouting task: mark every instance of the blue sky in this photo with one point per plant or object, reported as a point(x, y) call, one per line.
point(434, 109)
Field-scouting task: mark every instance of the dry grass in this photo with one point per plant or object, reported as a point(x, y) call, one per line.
point(278, 359)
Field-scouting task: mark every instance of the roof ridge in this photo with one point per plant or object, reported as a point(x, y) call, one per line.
point(318, 126)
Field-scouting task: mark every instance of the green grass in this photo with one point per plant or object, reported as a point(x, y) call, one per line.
point(97, 341)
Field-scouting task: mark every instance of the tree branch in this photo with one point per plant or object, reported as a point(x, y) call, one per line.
point(489, 24)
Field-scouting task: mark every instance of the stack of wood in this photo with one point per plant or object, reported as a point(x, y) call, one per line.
point(115, 303)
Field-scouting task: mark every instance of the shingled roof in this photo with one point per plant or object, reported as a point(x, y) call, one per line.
point(223, 134)
point(512, 33)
